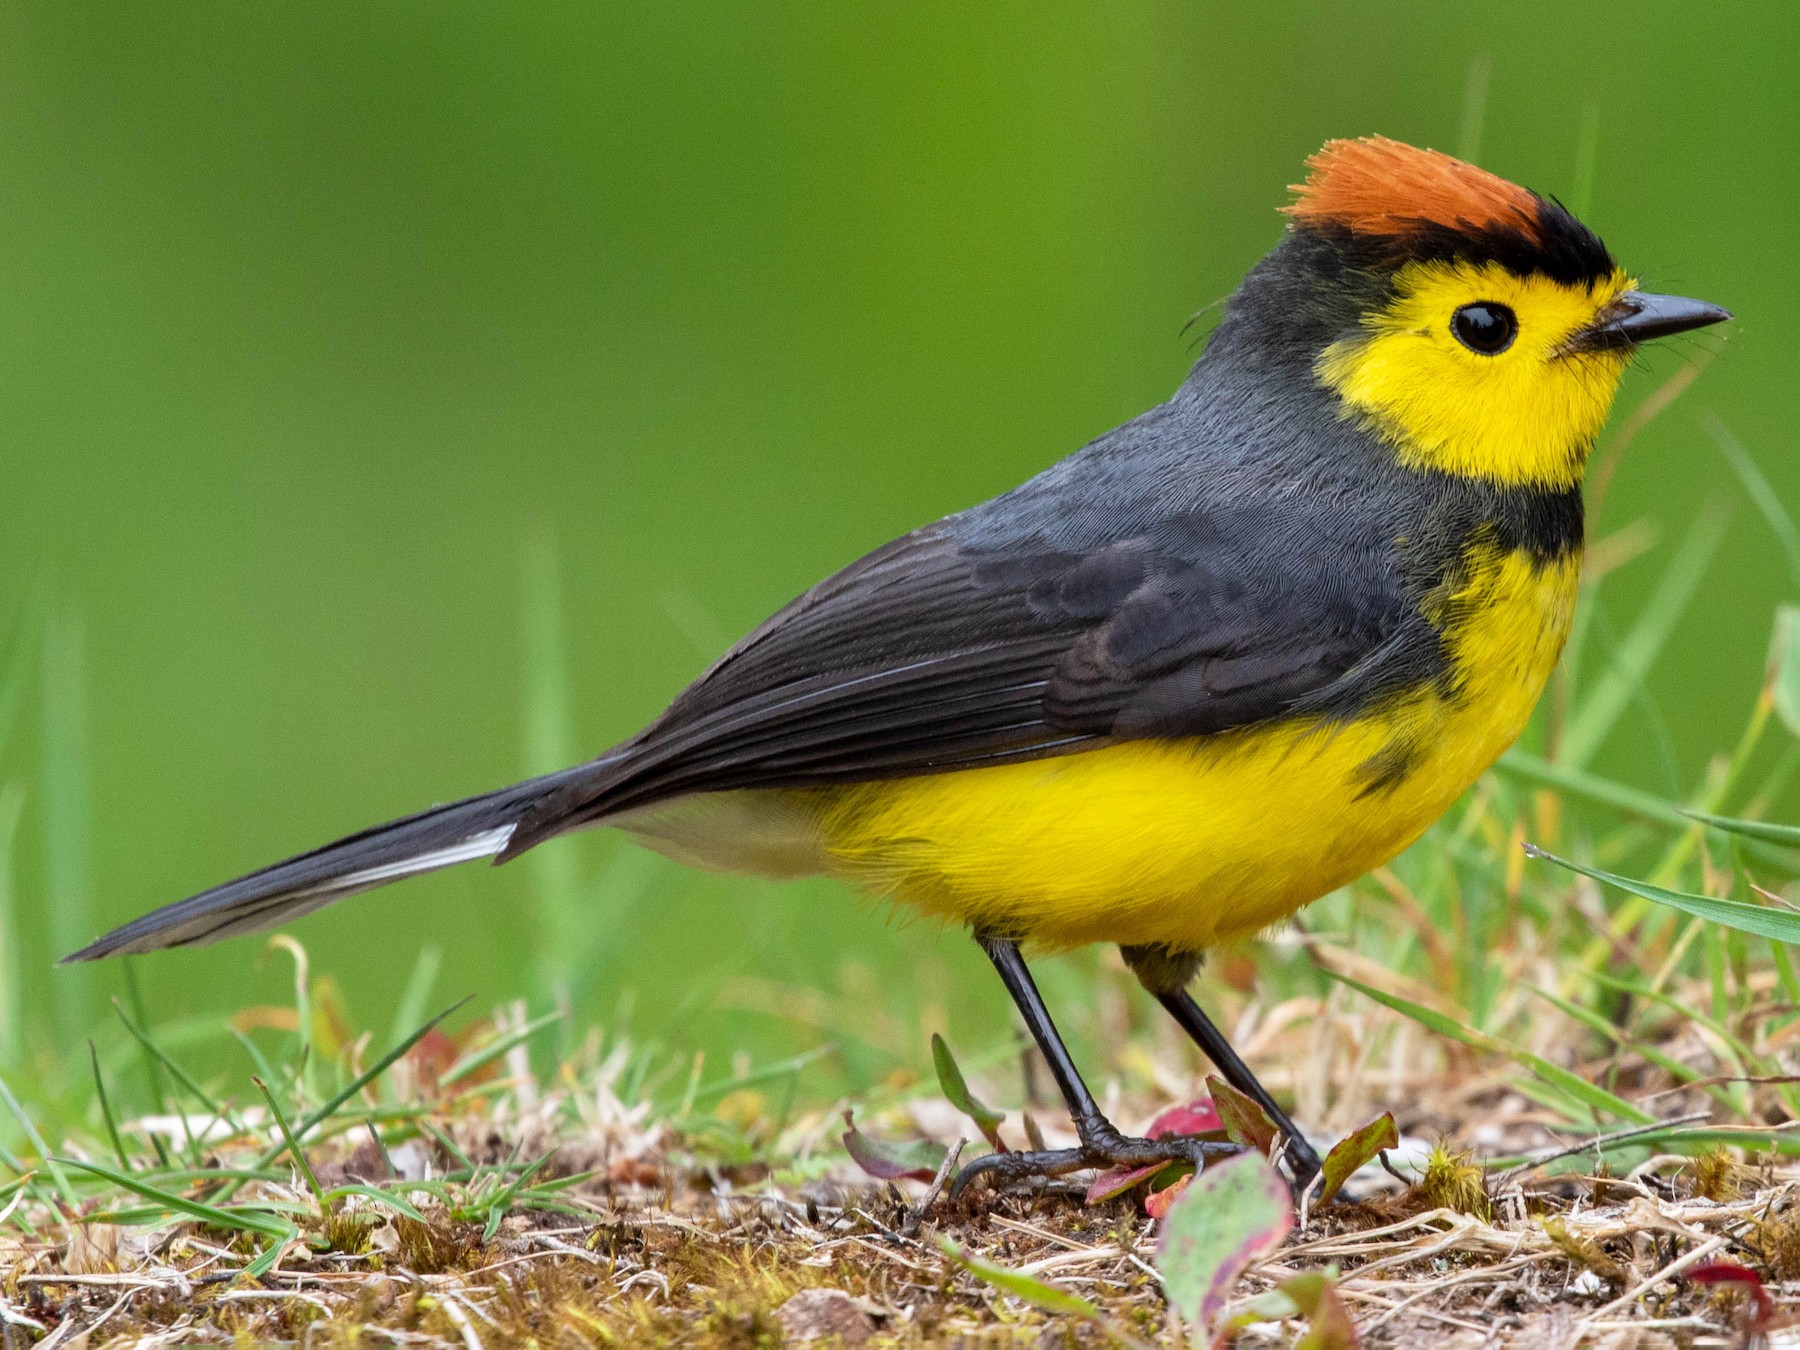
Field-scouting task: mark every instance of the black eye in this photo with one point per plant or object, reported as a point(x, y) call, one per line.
point(1485, 327)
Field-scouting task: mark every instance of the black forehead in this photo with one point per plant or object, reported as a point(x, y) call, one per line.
point(1554, 245)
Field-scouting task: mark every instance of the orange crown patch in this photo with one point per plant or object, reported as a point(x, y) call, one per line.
point(1378, 186)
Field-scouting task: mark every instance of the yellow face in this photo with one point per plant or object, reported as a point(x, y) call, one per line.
point(1524, 413)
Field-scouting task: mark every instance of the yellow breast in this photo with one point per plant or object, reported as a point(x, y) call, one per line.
point(1180, 843)
point(1185, 843)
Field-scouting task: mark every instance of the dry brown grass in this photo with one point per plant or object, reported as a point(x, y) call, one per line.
point(668, 1243)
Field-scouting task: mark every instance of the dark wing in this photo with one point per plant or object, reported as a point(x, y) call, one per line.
point(943, 651)
point(1147, 586)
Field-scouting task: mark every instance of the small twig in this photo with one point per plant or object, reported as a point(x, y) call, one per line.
point(1350, 1243)
point(1071, 1258)
point(888, 1254)
point(1316, 1183)
point(1727, 1079)
point(1655, 1127)
point(552, 1247)
point(135, 1281)
point(1042, 1234)
point(876, 1223)
point(915, 1217)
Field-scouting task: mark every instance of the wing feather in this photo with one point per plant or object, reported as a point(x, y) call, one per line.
point(934, 653)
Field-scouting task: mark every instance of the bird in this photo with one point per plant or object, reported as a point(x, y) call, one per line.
point(1210, 667)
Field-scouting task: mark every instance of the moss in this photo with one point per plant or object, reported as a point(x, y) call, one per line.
point(1778, 1242)
point(1453, 1181)
point(1717, 1176)
point(1590, 1255)
point(435, 1246)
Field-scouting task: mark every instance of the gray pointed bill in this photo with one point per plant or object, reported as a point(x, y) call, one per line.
point(1639, 316)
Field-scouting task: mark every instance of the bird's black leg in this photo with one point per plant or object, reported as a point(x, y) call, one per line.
point(1300, 1156)
point(1165, 975)
point(1101, 1143)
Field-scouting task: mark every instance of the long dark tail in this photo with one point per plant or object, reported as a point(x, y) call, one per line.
point(478, 827)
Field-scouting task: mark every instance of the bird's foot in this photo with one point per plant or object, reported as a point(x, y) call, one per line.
point(1102, 1147)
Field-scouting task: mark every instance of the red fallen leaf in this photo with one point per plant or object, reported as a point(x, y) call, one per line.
point(1725, 1272)
point(1119, 1180)
point(919, 1160)
point(1197, 1117)
point(1157, 1203)
point(1730, 1272)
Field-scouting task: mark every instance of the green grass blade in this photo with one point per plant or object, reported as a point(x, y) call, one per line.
point(1571, 1084)
point(106, 1111)
point(373, 1072)
point(181, 1075)
point(1039, 1293)
point(555, 1184)
point(67, 882)
point(293, 1147)
point(1613, 691)
point(1781, 924)
point(448, 1144)
point(501, 1204)
point(153, 1079)
point(487, 1054)
point(241, 1218)
point(264, 1069)
point(1590, 787)
point(1768, 832)
point(37, 1141)
point(1741, 1053)
point(1784, 666)
point(1674, 1136)
point(307, 1065)
point(383, 1198)
point(266, 1262)
point(1757, 487)
point(356, 1085)
point(417, 995)
point(518, 1184)
point(1592, 1020)
point(1583, 786)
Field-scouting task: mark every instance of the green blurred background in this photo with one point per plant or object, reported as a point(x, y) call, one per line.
point(363, 367)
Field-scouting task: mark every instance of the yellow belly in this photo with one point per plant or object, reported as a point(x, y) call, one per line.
point(1181, 843)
